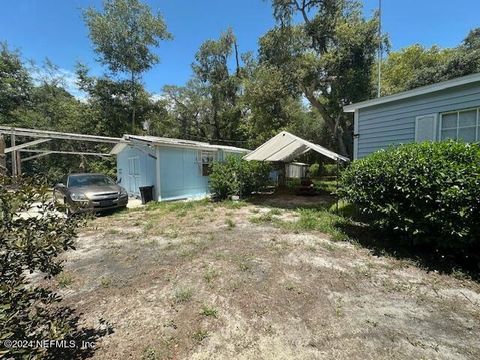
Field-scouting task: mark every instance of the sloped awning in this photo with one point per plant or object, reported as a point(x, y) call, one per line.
point(285, 147)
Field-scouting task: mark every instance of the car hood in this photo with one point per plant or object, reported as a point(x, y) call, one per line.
point(95, 189)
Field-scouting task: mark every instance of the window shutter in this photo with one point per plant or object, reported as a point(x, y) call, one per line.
point(426, 128)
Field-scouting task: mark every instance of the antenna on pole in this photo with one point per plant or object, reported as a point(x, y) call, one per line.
point(379, 47)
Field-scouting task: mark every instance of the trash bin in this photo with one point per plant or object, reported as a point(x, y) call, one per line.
point(146, 193)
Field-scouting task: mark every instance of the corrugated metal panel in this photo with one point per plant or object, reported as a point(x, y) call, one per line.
point(394, 123)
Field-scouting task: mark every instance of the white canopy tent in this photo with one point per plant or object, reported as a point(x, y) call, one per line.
point(285, 147)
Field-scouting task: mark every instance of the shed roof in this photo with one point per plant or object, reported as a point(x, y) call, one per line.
point(285, 147)
point(163, 141)
point(415, 92)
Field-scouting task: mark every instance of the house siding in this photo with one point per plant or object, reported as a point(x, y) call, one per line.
point(180, 174)
point(393, 123)
point(174, 171)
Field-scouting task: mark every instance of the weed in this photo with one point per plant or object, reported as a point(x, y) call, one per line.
point(183, 295)
point(64, 279)
point(149, 354)
point(230, 204)
point(200, 335)
point(210, 274)
point(262, 219)
point(230, 223)
point(275, 211)
point(208, 311)
point(105, 281)
point(148, 226)
point(245, 263)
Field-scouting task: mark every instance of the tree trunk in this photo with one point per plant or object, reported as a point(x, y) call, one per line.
point(334, 125)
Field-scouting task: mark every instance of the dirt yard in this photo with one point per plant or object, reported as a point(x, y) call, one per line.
point(240, 281)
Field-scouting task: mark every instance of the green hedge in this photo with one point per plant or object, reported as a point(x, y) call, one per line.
point(238, 177)
point(429, 192)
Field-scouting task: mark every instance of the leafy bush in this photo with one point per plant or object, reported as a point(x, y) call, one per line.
point(238, 177)
point(429, 192)
point(329, 170)
point(314, 170)
point(31, 243)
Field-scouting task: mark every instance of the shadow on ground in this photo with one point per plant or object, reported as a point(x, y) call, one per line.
point(383, 243)
point(80, 344)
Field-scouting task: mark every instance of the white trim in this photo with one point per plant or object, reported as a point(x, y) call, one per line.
point(457, 127)
point(356, 135)
point(434, 125)
point(415, 92)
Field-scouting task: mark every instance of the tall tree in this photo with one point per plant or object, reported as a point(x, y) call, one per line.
point(211, 68)
point(326, 57)
point(15, 83)
point(416, 65)
point(124, 36)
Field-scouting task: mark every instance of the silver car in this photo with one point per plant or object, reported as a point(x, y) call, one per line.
point(90, 192)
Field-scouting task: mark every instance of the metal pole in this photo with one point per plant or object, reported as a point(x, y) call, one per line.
point(337, 184)
point(379, 47)
point(3, 162)
point(14, 156)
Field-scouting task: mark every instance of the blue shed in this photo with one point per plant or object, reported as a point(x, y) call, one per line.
point(446, 110)
point(178, 169)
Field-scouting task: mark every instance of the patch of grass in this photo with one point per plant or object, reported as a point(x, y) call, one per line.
point(329, 186)
point(150, 354)
point(262, 219)
point(64, 279)
point(328, 245)
point(183, 295)
point(210, 274)
point(245, 263)
point(105, 281)
point(200, 335)
point(319, 220)
point(275, 211)
point(208, 311)
point(230, 223)
point(231, 204)
point(148, 226)
point(113, 231)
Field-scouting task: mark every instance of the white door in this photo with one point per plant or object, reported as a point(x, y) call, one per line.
point(133, 174)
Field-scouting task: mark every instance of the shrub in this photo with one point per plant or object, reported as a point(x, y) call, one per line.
point(314, 170)
point(329, 170)
point(429, 192)
point(31, 243)
point(238, 177)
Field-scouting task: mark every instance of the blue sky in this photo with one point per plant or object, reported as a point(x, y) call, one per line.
point(54, 29)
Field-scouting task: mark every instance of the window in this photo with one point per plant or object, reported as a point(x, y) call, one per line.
point(207, 157)
point(426, 128)
point(461, 125)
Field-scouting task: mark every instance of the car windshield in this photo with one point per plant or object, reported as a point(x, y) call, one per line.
point(87, 180)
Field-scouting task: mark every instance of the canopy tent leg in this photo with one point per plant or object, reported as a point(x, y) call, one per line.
point(338, 174)
point(3, 160)
point(14, 156)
